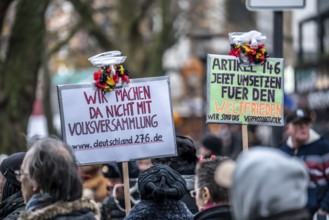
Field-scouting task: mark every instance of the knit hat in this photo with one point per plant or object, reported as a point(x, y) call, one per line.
point(213, 143)
point(10, 165)
point(160, 182)
point(298, 115)
point(114, 170)
point(266, 182)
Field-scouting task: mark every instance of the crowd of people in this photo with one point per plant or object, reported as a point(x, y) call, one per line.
point(201, 182)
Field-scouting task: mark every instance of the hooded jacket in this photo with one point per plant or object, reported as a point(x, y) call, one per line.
point(267, 183)
point(315, 154)
point(81, 209)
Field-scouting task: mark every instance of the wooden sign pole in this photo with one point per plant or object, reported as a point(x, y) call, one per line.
point(126, 186)
point(245, 137)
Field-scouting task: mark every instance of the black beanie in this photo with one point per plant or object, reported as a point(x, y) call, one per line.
point(114, 170)
point(10, 165)
point(160, 182)
point(212, 143)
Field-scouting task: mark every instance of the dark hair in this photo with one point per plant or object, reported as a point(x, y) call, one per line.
point(53, 167)
point(212, 143)
point(184, 163)
point(205, 175)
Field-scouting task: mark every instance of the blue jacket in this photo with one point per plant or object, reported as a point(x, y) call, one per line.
point(315, 154)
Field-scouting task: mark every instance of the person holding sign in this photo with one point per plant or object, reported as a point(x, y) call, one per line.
point(113, 207)
point(51, 185)
point(94, 182)
point(305, 143)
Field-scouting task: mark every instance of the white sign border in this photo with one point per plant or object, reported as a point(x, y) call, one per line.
point(209, 56)
point(88, 85)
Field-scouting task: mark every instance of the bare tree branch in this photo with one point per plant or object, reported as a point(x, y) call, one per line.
point(63, 42)
point(86, 15)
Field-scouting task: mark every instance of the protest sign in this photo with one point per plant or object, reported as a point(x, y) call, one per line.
point(245, 95)
point(129, 123)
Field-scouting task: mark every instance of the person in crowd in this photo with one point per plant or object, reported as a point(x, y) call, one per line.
point(231, 137)
point(113, 207)
point(51, 184)
point(143, 164)
point(2, 157)
point(94, 181)
point(266, 184)
point(211, 145)
point(212, 199)
point(184, 163)
point(11, 199)
point(161, 189)
point(304, 143)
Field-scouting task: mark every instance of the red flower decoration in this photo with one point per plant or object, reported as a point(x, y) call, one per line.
point(97, 75)
point(102, 76)
point(115, 77)
point(256, 55)
point(125, 79)
point(100, 85)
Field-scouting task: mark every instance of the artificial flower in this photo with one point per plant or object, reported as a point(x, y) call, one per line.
point(106, 80)
point(110, 81)
point(97, 75)
point(256, 55)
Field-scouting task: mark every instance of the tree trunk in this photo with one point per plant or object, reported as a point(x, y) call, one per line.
point(4, 4)
point(19, 73)
point(162, 40)
point(46, 96)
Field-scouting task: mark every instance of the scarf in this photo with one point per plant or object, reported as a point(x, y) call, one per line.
point(38, 201)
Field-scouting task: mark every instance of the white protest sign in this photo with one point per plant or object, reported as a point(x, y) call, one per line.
point(129, 123)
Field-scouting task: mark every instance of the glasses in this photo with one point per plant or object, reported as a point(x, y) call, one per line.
point(193, 193)
point(19, 173)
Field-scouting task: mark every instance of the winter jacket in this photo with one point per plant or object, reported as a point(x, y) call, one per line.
point(188, 199)
point(221, 212)
point(11, 207)
point(81, 209)
point(315, 154)
point(267, 182)
point(111, 211)
point(301, 214)
point(164, 210)
point(161, 189)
